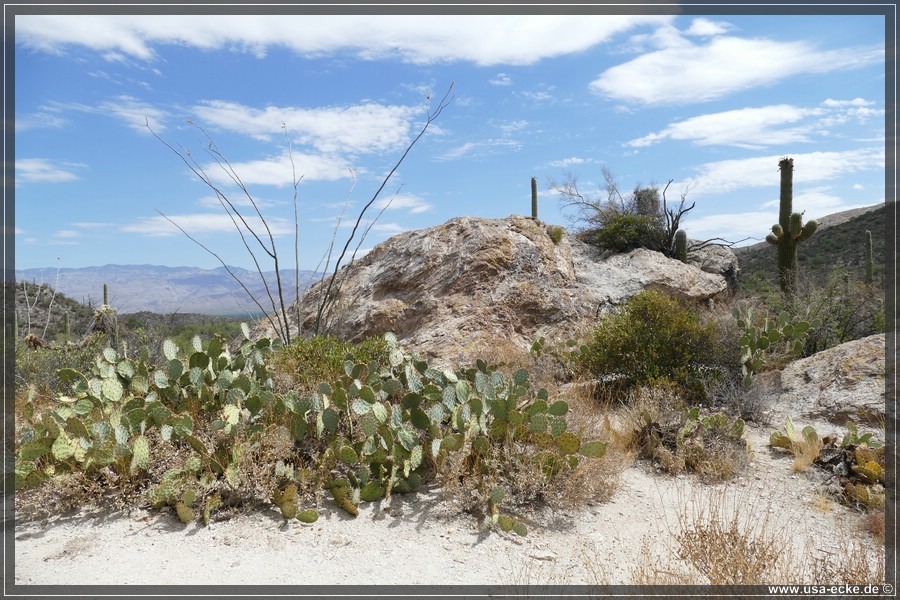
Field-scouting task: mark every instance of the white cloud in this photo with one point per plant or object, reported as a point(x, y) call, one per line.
point(732, 227)
point(45, 170)
point(681, 71)
point(483, 148)
point(809, 168)
point(135, 113)
point(743, 128)
point(408, 202)
point(376, 227)
point(90, 224)
point(510, 127)
point(44, 118)
point(482, 39)
point(200, 223)
point(763, 126)
point(67, 234)
point(364, 128)
point(568, 162)
point(279, 171)
point(541, 96)
point(705, 27)
point(501, 79)
point(815, 203)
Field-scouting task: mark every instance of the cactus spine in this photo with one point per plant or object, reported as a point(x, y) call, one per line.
point(534, 212)
point(789, 231)
point(869, 265)
point(681, 245)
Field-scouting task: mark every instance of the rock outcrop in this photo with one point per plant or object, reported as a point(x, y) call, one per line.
point(846, 382)
point(471, 283)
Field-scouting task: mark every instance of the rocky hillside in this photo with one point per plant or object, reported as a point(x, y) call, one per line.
point(839, 242)
point(34, 303)
point(471, 283)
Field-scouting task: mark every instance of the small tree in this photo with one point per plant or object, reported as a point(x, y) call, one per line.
point(643, 219)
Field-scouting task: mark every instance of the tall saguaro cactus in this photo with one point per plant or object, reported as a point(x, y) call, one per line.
point(534, 211)
point(789, 231)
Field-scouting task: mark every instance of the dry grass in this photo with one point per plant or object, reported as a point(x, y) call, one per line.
point(852, 564)
point(729, 549)
point(873, 523)
point(805, 452)
point(597, 479)
point(722, 538)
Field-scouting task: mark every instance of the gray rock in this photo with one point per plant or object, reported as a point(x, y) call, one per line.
point(472, 284)
point(717, 259)
point(843, 383)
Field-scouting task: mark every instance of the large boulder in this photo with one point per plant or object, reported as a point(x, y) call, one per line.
point(715, 258)
point(454, 290)
point(846, 382)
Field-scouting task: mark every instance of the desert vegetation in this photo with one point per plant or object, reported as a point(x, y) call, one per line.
point(205, 421)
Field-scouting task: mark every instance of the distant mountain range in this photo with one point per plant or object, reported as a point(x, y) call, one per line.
point(163, 290)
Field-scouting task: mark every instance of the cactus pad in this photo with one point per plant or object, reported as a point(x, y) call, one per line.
point(310, 515)
point(185, 513)
point(568, 443)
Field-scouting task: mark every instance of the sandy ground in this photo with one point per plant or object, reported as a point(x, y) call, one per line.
point(420, 540)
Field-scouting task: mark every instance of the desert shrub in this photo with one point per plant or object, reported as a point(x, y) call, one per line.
point(625, 231)
point(556, 233)
point(654, 337)
point(844, 307)
point(38, 367)
point(711, 446)
point(308, 362)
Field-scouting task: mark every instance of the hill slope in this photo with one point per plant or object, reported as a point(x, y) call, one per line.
point(839, 242)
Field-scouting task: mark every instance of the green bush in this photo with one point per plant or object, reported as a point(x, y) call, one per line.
point(626, 231)
point(38, 367)
point(654, 338)
point(309, 362)
point(556, 233)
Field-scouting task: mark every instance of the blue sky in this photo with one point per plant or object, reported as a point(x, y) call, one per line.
point(711, 102)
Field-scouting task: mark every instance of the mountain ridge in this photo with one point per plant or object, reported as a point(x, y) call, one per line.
point(163, 289)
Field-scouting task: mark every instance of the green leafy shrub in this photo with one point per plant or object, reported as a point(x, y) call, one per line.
point(626, 231)
point(653, 338)
point(386, 431)
point(556, 233)
point(309, 362)
point(38, 367)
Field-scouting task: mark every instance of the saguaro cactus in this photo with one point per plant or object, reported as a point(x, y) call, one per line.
point(681, 245)
point(869, 262)
point(105, 294)
point(789, 231)
point(534, 211)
